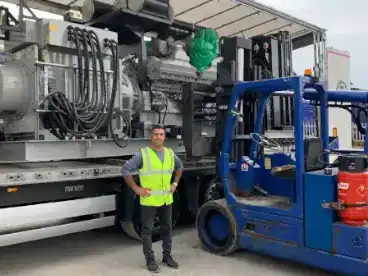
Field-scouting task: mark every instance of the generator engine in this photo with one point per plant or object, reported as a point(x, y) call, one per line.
point(170, 92)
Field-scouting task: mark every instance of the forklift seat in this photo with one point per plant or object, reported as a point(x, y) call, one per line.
point(312, 151)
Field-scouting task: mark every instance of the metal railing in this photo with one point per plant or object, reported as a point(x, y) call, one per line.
point(310, 130)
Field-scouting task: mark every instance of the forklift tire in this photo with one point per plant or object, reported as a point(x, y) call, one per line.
point(216, 227)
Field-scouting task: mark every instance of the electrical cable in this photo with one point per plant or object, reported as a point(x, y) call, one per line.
point(149, 83)
point(90, 110)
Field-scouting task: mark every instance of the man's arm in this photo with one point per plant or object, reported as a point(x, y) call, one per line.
point(131, 168)
point(178, 169)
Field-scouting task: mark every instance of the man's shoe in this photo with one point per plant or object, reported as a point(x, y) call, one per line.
point(152, 266)
point(170, 262)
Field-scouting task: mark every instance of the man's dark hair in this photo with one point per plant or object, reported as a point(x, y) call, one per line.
point(157, 126)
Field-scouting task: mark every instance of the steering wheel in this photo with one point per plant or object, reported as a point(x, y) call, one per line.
point(265, 142)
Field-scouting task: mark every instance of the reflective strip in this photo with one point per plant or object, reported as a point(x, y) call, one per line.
point(172, 159)
point(148, 164)
point(160, 192)
point(152, 172)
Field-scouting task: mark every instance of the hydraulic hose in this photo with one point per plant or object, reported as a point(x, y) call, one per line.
point(90, 110)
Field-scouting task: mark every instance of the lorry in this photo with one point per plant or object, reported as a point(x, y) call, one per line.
point(79, 95)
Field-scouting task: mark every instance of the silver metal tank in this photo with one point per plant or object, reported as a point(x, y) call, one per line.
point(14, 88)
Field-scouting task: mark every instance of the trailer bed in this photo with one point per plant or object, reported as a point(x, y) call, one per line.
point(17, 174)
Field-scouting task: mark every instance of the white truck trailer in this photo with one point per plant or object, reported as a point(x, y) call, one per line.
point(338, 77)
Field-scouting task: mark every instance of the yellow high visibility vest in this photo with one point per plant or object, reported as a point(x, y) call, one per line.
point(156, 176)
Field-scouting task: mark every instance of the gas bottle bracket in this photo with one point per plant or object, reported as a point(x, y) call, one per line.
point(341, 206)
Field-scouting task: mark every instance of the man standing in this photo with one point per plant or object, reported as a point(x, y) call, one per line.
point(155, 165)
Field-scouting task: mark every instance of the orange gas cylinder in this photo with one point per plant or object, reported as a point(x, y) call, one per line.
point(352, 191)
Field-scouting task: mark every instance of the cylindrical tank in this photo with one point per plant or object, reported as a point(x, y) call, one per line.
point(353, 189)
point(14, 89)
point(161, 8)
point(91, 9)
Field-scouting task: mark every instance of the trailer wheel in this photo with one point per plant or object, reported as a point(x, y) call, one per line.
point(216, 227)
point(133, 228)
point(213, 191)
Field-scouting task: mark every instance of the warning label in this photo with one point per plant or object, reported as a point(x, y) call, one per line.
point(362, 190)
point(244, 167)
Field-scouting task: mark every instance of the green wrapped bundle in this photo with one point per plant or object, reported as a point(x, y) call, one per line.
point(202, 49)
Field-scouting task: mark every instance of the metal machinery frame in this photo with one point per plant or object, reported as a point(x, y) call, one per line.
point(286, 216)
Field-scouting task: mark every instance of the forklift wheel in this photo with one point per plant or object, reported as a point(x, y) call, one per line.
point(216, 227)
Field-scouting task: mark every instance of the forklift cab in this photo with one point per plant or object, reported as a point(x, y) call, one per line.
point(276, 179)
point(313, 151)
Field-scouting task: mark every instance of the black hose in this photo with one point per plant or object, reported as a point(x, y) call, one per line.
point(90, 110)
point(113, 47)
point(357, 119)
point(149, 84)
point(166, 109)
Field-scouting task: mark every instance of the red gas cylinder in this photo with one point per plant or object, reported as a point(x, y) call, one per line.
point(353, 189)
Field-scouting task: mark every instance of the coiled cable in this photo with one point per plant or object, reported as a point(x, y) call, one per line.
point(90, 110)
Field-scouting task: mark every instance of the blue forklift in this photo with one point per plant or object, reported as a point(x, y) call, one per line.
point(288, 205)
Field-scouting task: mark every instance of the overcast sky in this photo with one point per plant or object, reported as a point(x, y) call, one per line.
point(344, 21)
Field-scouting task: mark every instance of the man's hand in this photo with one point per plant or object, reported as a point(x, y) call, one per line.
point(173, 188)
point(141, 191)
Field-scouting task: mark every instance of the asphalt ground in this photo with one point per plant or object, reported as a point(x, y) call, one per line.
point(108, 252)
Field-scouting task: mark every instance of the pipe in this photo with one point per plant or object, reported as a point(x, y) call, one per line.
point(348, 96)
point(338, 96)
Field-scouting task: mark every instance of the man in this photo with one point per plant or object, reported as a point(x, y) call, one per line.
point(155, 165)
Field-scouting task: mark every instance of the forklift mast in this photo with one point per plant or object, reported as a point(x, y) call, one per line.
point(252, 59)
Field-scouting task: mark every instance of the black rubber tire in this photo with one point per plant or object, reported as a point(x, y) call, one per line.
point(213, 191)
point(133, 228)
point(232, 243)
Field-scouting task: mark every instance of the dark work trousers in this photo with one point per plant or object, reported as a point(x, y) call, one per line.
point(148, 214)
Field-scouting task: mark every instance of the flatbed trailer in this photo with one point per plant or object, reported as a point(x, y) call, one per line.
point(45, 199)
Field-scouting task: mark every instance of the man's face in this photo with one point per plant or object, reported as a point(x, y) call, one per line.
point(158, 137)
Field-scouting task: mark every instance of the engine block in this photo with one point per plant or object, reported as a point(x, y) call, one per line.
point(178, 69)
